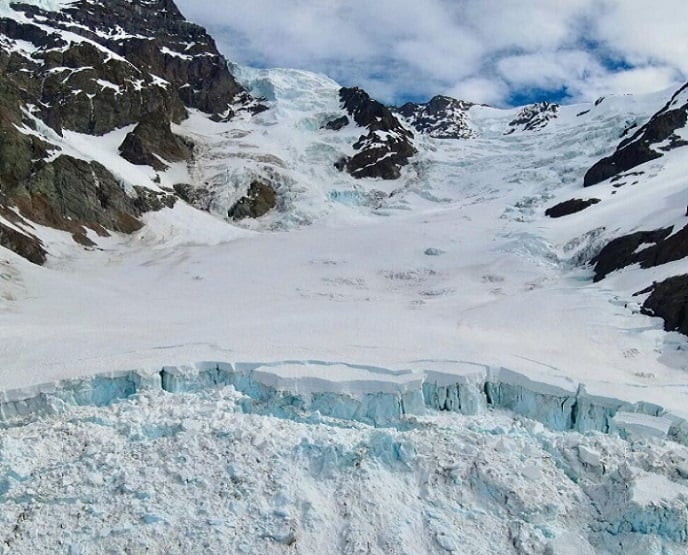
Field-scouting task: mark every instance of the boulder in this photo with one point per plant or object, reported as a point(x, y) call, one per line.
point(151, 140)
point(570, 207)
point(337, 124)
point(258, 201)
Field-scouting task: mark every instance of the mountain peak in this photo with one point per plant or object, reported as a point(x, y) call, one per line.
point(442, 117)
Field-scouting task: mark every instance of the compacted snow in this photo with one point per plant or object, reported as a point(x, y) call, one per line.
point(394, 291)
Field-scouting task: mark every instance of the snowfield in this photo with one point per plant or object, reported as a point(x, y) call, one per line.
point(367, 302)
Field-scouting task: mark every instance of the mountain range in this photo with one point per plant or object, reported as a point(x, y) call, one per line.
point(173, 221)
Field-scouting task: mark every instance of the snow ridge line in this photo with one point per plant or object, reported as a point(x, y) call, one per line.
point(385, 402)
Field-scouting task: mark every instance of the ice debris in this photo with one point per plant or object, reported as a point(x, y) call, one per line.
point(269, 458)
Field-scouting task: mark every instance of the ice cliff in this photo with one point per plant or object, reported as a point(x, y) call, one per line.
point(274, 458)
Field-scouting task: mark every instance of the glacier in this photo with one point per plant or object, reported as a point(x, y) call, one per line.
point(274, 457)
point(374, 396)
point(528, 433)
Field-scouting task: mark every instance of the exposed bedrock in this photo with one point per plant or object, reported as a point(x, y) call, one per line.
point(387, 146)
point(658, 135)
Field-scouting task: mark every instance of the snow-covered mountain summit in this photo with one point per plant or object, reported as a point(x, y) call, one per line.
point(442, 117)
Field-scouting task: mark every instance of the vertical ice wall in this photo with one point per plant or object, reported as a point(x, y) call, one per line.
point(560, 407)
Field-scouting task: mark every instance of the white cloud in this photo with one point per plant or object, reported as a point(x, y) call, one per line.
point(638, 80)
point(479, 90)
point(480, 50)
point(548, 70)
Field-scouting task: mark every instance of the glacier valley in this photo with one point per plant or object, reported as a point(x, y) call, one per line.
point(252, 311)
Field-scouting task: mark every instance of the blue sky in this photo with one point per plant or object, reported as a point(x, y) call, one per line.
point(499, 52)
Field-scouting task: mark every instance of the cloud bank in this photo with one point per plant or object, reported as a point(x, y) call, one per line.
point(494, 51)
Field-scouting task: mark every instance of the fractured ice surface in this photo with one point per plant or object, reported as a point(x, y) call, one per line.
point(367, 394)
point(194, 472)
point(310, 456)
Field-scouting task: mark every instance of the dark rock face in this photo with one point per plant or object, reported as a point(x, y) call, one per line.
point(260, 199)
point(25, 245)
point(442, 118)
point(198, 197)
point(622, 251)
point(387, 146)
point(129, 58)
point(153, 139)
point(533, 117)
point(98, 66)
point(570, 207)
point(337, 124)
point(644, 145)
point(669, 301)
point(69, 193)
point(662, 247)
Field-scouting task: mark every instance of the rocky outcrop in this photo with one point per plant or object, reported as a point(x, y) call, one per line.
point(385, 148)
point(198, 197)
point(660, 247)
point(152, 143)
point(656, 247)
point(533, 117)
point(624, 251)
point(570, 207)
point(69, 193)
point(258, 201)
point(93, 67)
point(101, 66)
point(337, 123)
point(24, 244)
point(648, 143)
point(442, 117)
point(669, 300)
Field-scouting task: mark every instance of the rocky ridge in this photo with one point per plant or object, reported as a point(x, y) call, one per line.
point(533, 117)
point(648, 248)
point(660, 134)
point(442, 117)
point(388, 144)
